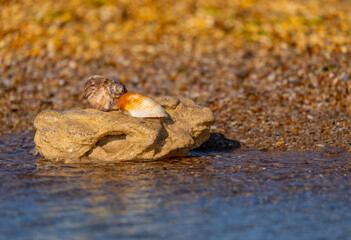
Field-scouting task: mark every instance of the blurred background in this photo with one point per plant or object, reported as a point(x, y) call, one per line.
point(260, 65)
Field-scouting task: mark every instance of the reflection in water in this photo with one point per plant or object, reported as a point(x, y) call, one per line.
point(248, 195)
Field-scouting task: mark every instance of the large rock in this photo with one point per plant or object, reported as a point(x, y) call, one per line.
point(93, 135)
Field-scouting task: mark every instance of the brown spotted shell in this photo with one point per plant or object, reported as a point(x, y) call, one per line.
point(103, 93)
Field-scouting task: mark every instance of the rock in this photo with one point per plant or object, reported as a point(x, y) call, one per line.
point(92, 135)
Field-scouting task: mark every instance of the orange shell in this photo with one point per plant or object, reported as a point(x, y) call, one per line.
point(140, 106)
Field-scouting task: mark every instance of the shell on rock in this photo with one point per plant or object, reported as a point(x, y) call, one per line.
point(140, 106)
point(103, 93)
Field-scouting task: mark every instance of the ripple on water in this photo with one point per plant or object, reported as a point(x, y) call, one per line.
point(246, 194)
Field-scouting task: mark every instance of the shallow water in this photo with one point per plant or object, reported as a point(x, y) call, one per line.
point(229, 195)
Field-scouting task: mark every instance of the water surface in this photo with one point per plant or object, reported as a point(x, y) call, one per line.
point(228, 195)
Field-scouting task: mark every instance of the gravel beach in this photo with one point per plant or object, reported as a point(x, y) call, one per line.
point(276, 74)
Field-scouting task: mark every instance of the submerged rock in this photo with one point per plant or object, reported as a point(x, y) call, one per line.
point(90, 134)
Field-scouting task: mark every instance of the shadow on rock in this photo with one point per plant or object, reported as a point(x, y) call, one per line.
point(216, 143)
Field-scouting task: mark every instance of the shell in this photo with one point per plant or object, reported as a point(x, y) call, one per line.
point(103, 93)
point(140, 106)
